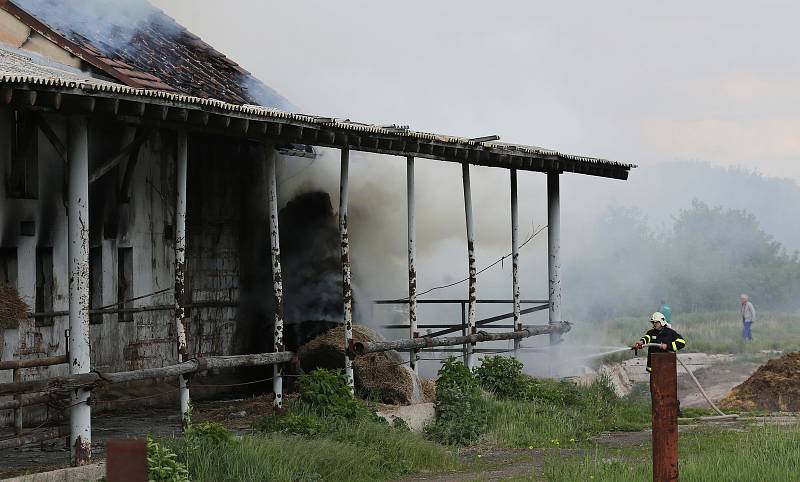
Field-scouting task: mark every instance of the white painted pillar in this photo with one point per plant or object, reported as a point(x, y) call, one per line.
point(180, 267)
point(412, 260)
point(347, 286)
point(553, 252)
point(78, 253)
point(515, 258)
point(277, 279)
point(469, 357)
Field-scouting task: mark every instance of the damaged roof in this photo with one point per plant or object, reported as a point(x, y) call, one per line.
point(140, 46)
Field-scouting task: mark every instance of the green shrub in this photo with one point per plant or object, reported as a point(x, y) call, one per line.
point(400, 424)
point(163, 464)
point(291, 423)
point(211, 431)
point(461, 410)
point(326, 392)
point(501, 375)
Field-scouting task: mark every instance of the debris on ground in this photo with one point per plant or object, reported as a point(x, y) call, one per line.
point(12, 308)
point(774, 387)
point(415, 416)
point(384, 375)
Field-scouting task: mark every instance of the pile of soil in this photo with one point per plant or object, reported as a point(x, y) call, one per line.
point(12, 308)
point(384, 375)
point(774, 387)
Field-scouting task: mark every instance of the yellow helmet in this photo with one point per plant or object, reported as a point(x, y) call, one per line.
point(659, 317)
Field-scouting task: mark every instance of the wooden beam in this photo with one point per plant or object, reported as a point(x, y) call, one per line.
point(119, 157)
point(51, 135)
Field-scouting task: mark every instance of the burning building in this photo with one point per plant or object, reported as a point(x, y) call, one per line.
point(138, 203)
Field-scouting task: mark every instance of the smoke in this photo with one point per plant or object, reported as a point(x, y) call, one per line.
point(104, 23)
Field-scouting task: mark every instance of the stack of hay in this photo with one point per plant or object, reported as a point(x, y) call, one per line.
point(12, 308)
point(384, 374)
point(774, 387)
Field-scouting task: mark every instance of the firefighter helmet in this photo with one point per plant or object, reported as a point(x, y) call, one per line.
point(659, 317)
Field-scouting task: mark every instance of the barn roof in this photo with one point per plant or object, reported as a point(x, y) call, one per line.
point(140, 46)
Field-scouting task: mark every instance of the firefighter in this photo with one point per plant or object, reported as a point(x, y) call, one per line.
point(668, 340)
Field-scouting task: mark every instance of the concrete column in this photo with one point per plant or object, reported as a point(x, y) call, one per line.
point(180, 267)
point(78, 254)
point(412, 260)
point(515, 257)
point(553, 252)
point(277, 280)
point(469, 358)
point(347, 285)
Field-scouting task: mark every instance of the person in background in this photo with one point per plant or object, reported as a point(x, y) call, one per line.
point(748, 317)
point(666, 311)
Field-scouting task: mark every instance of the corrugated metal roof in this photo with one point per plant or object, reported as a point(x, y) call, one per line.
point(16, 68)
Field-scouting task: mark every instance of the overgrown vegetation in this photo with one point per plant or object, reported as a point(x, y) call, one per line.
point(461, 408)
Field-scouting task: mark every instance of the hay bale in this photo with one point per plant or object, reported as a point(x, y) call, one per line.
point(385, 374)
point(775, 386)
point(12, 308)
point(428, 389)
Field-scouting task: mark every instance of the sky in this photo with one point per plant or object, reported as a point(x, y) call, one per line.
point(638, 81)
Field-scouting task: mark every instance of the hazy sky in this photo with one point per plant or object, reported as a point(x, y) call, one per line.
point(643, 81)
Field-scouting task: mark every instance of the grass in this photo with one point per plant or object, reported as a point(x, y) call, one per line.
point(717, 332)
point(583, 413)
point(707, 454)
point(356, 450)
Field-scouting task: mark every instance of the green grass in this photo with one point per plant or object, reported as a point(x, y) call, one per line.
point(716, 332)
point(359, 450)
point(706, 454)
point(584, 413)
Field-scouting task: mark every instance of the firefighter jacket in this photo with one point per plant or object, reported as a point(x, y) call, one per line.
point(666, 335)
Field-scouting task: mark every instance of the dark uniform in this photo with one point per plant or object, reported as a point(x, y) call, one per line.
point(666, 335)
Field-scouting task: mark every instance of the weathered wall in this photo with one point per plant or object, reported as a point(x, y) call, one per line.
point(227, 248)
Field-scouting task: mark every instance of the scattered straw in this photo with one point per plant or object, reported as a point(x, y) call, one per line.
point(12, 308)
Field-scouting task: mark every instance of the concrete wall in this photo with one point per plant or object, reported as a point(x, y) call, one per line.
point(227, 248)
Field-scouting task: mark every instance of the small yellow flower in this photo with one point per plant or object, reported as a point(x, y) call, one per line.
point(479, 455)
point(530, 447)
point(572, 440)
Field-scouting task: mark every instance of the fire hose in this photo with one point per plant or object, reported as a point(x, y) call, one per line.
point(694, 379)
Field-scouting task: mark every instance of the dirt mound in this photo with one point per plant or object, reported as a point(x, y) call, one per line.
point(384, 375)
point(774, 387)
point(12, 308)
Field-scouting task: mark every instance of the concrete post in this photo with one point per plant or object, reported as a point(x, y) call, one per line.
point(515, 258)
point(412, 260)
point(180, 268)
point(347, 286)
point(664, 394)
point(17, 377)
point(553, 252)
point(469, 358)
point(277, 279)
point(78, 254)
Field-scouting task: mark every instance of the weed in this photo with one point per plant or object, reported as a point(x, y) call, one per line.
point(501, 376)
point(163, 464)
point(461, 409)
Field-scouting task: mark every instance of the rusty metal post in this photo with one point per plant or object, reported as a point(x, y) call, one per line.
point(468, 358)
point(126, 461)
point(515, 258)
point(180, 268)
point(554, 252)
point(412, 260)
point(347, 286)
point(78, 254)
point(464, 331)
point(17, 377)
point(664, 393)
point(277, 280)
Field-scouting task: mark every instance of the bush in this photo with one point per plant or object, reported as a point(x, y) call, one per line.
point(326, 392)
point(461, 410)
point(291, 423)
point(210, 431)
point(163, 464)
point(501, 375)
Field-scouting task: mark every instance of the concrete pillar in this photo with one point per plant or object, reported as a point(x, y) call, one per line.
point(469, 358)
point(412, 260)
point(515, 258)
point(347, 285)
point(78, 254)
point(553, 252)
point(180, 267)
point(277, 280)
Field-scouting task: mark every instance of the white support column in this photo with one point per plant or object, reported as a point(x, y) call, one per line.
point(277, 279)
point(78, 252)
point(180, 267)
point(412, 260)
point(515, 257)
point(347, 286)
point(553, 252)
point(469, 358)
